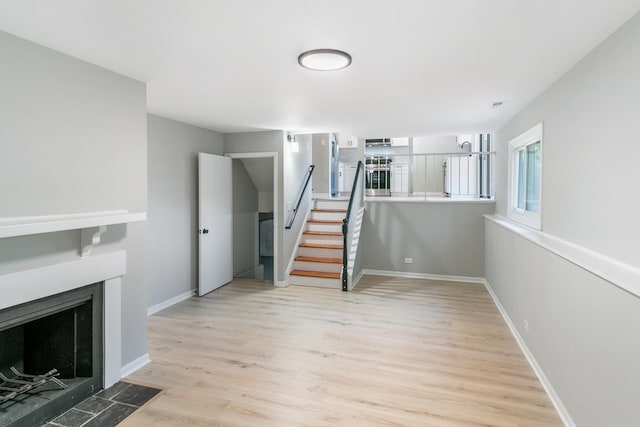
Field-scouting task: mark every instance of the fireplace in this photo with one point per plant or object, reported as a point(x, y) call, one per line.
point(51, 355)
point(59, 285)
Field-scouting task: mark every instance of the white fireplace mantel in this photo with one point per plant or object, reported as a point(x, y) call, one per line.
point(92, 225)
point(26, 225)
point(39, 282)
point(45, 280)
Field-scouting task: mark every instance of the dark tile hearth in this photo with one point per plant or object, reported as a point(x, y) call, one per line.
point(135, 395)
point(106, 408)
point(113, 390)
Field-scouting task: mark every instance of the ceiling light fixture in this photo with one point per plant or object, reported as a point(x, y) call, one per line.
point(324, 59)
point(295, 147)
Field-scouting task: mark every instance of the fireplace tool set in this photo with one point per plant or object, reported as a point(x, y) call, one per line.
point(21, 383)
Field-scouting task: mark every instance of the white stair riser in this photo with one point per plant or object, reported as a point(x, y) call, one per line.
point(332, 204)
point(315, 281)
point(328, 215)
point(325, 240)
point(323, 253)
point(317, 266)
point(335, 228)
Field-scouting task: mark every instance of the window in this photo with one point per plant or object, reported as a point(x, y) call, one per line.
point(525, 172)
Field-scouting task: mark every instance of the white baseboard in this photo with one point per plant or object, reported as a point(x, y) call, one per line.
point(295, 248)
point(134, 365)
point(171, 301)
point(354, 282)
point(553, 396)
point(281, 284)
point(409, 275)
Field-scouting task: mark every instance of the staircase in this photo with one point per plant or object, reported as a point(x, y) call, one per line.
point(318, 260)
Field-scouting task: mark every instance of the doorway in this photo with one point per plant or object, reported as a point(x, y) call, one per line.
point(256, 215)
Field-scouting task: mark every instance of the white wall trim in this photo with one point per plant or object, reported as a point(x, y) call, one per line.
point(315, 196)
point(620, 274)
point(281, 284)
point(298, 240)
point(355, 281)
point(171, 301)
point(529, 218)
point(134, 365)
point(28, 285)
point(409, 275)
point(26, 225)
point(548, 387)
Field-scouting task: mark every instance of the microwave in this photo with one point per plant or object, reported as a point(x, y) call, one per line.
point(378, 142)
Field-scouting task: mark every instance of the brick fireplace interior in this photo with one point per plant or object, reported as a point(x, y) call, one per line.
point(60, 335)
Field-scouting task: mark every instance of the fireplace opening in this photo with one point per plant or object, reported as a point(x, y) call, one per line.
point(50, 355)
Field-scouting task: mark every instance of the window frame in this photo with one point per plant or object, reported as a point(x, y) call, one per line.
point(516, 145)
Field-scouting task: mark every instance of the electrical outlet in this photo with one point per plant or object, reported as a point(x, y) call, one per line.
point(408, 260)
point(526, 325)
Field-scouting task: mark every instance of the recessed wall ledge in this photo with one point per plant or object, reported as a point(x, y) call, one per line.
point(91, 224)
point(622, 275)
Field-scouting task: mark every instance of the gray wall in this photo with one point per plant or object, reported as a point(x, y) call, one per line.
point(320, 157)
point(173, 204)
point(435, 144)
point(245, 219)
point(73, 139)
point(296, 166)
point(444, 238)
point(591, 151)
point(583, 330)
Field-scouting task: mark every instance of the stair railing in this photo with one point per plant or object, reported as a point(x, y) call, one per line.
point(303, 189)
point(357, 195)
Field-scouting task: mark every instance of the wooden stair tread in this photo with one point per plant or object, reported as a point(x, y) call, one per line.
point(329, 210)
point(324, 233)
point(325, 221)
point(319, 259)
point(321, 274)
point(320, 245)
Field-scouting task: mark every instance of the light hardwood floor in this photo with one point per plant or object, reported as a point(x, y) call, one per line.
point(394, 352)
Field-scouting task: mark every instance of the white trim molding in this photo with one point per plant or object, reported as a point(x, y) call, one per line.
point(546, 384)
point(516, 145)
point(28, 285)
point(171, 301)
point(354, 282)
point(292, 260)
point(134, 365)
point(622, 275)
point(409, 275)
point(24, 226)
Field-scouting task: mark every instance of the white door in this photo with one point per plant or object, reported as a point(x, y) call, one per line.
point(215, 222)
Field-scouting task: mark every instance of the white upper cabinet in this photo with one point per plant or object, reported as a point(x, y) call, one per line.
point(400, 142)
point(346, 140)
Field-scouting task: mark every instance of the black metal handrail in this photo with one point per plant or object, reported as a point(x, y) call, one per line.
point(345, 227)
point(302, 191)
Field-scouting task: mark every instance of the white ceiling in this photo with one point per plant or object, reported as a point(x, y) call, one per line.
point(421, 67)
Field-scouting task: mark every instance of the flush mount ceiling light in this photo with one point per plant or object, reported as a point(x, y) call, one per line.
point(324, 59)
